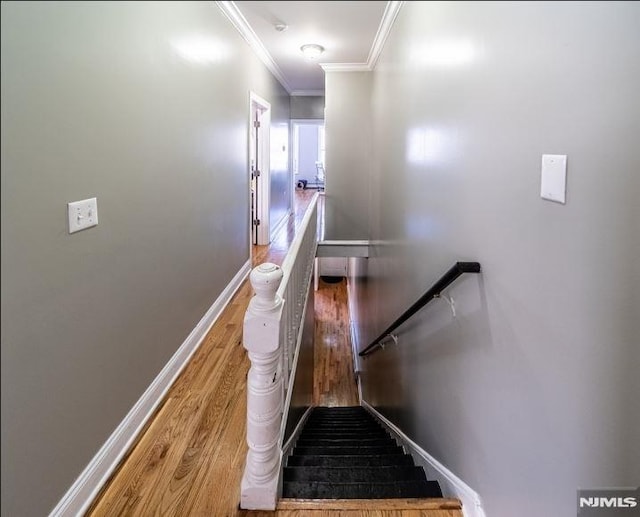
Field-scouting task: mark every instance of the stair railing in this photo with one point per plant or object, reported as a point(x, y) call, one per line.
point(271, 334)
point(434, 292)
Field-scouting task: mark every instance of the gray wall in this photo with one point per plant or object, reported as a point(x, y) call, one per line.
point(348, 134)
point(98, 99)
point(281, 182)
point(307, 107)
point(532, 391)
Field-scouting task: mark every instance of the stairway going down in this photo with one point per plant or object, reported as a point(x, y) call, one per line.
point(344, 453)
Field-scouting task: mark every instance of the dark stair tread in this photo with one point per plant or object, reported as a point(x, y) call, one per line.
point(337, 409)
point(341, 418)
point(351, 461)
point(341, 414)
point(342, 442)
point(344, 436)
point(335, 421)
point(346, 418)
point(344, 453)
point(399, 489)
point(321, 451)
point(344, 425)
point(311, 433)
point(351, 414)
point(354, 474)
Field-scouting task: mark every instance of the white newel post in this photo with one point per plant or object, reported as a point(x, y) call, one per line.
point(261, 336)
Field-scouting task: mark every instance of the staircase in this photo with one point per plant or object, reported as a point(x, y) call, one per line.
point(344, 453)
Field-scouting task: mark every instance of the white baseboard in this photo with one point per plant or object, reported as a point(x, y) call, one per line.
point(353, 324)
point(82, 493)
point(451, 485)
point(280, 224)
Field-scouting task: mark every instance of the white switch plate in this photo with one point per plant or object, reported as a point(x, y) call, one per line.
point(83, 214)
point(553, 184)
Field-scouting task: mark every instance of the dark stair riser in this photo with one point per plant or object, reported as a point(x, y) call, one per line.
point(345, 418)
point(354, 474)
point(369, 442)
point(329, 451)
point(339, 409)
point(318, 418)
point(344, 428)
point(344, 453)
point(337, 432)
point(380, 460)
point(400, 489)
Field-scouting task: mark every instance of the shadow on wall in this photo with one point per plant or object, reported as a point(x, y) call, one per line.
point(340, 225)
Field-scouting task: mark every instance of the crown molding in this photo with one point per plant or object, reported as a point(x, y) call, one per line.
point(388, 18)
point(386, 23)
point(234, 15)
point(345, 67)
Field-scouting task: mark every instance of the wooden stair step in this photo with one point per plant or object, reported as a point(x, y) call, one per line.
point(361, 490)
point(379, 460)
point(437, 503)
point(366, 474)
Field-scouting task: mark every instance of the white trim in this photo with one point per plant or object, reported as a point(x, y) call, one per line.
point(86, 487)
point(345, 242)
point(296, 432)
point(241, 24)
point(281, 224)
point(384, 29)
point(355, 341)
point(388, 18)
point(284, 450)
point(345, 67)
point(354, 335)
point(234, 15)
point(307, 93)
point(451, 485)
point(263, 107)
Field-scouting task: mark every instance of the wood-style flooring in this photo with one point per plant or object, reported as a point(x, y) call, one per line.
point(190, 458)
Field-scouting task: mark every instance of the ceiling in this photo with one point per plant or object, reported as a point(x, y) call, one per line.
point(352, 34)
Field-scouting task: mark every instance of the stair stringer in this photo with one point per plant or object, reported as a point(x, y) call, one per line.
point(289, 445)
point(450, 484)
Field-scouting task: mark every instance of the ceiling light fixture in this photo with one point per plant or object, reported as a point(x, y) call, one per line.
point(312, 51)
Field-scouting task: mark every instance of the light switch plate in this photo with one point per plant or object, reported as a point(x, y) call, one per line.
point(553, 184)
point(82, 214)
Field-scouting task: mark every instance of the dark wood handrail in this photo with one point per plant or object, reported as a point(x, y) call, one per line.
point(458, 269)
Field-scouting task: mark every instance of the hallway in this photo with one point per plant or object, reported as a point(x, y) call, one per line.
point(189, 460)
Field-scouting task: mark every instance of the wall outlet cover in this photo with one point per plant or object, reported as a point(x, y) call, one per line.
point(553, 182)
point(82, 214)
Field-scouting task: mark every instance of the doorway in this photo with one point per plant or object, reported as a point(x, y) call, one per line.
point(308, 152)
point(259, 169)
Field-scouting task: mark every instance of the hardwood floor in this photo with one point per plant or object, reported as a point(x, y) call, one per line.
point(277, 250)
point(190, 458)
point(334, 382)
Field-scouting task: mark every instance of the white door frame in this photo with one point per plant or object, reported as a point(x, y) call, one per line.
point(263, 107)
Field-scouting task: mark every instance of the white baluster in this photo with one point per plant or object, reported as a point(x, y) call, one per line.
point(262, 337)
